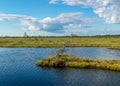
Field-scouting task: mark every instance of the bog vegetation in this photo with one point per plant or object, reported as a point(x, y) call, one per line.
point(75, 41)
point(63, 60)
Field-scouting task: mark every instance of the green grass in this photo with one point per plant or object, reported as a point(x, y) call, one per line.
point(75, 62)
point(97, 41)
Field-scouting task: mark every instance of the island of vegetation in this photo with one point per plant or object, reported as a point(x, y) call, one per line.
point(65, 61)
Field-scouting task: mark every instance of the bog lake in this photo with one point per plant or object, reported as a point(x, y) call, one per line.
point(17, 68)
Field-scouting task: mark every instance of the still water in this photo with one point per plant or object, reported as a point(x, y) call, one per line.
point(17, 68)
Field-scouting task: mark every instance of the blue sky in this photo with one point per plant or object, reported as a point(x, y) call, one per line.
point(59, 17)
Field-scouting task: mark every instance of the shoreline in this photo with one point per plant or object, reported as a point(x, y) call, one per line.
point(56, 47)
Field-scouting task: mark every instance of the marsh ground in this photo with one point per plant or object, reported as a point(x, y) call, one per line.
point(96, 41)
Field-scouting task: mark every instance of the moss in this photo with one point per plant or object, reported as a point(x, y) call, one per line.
point(75, 62)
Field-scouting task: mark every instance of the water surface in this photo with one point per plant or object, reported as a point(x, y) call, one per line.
point(17, 68)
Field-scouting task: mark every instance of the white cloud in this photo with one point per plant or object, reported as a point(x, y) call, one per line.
point(59, 24)
point(106, 9)
point(53, 1)
point(27, 22)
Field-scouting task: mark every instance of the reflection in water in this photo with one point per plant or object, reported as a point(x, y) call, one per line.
point(17, 68)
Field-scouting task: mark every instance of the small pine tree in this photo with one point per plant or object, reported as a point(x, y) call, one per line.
point(73, 35)
point(25, 34)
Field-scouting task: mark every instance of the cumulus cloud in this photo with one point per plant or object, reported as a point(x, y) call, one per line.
point(58, 24)
point(106, 9)
point(27, 22)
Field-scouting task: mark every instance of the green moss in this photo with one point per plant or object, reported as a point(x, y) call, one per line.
point(75, 62)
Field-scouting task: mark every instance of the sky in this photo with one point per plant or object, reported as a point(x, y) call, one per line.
point(59, 17)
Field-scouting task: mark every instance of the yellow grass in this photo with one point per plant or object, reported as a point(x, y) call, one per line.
point(75, 62)
point(102, 41)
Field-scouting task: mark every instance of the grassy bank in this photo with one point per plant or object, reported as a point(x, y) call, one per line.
point(96, 41)
point(74, 62)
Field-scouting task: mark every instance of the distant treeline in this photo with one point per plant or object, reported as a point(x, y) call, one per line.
point(58, 36)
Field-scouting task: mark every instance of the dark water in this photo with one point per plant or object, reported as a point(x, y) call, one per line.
point(17, 68)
